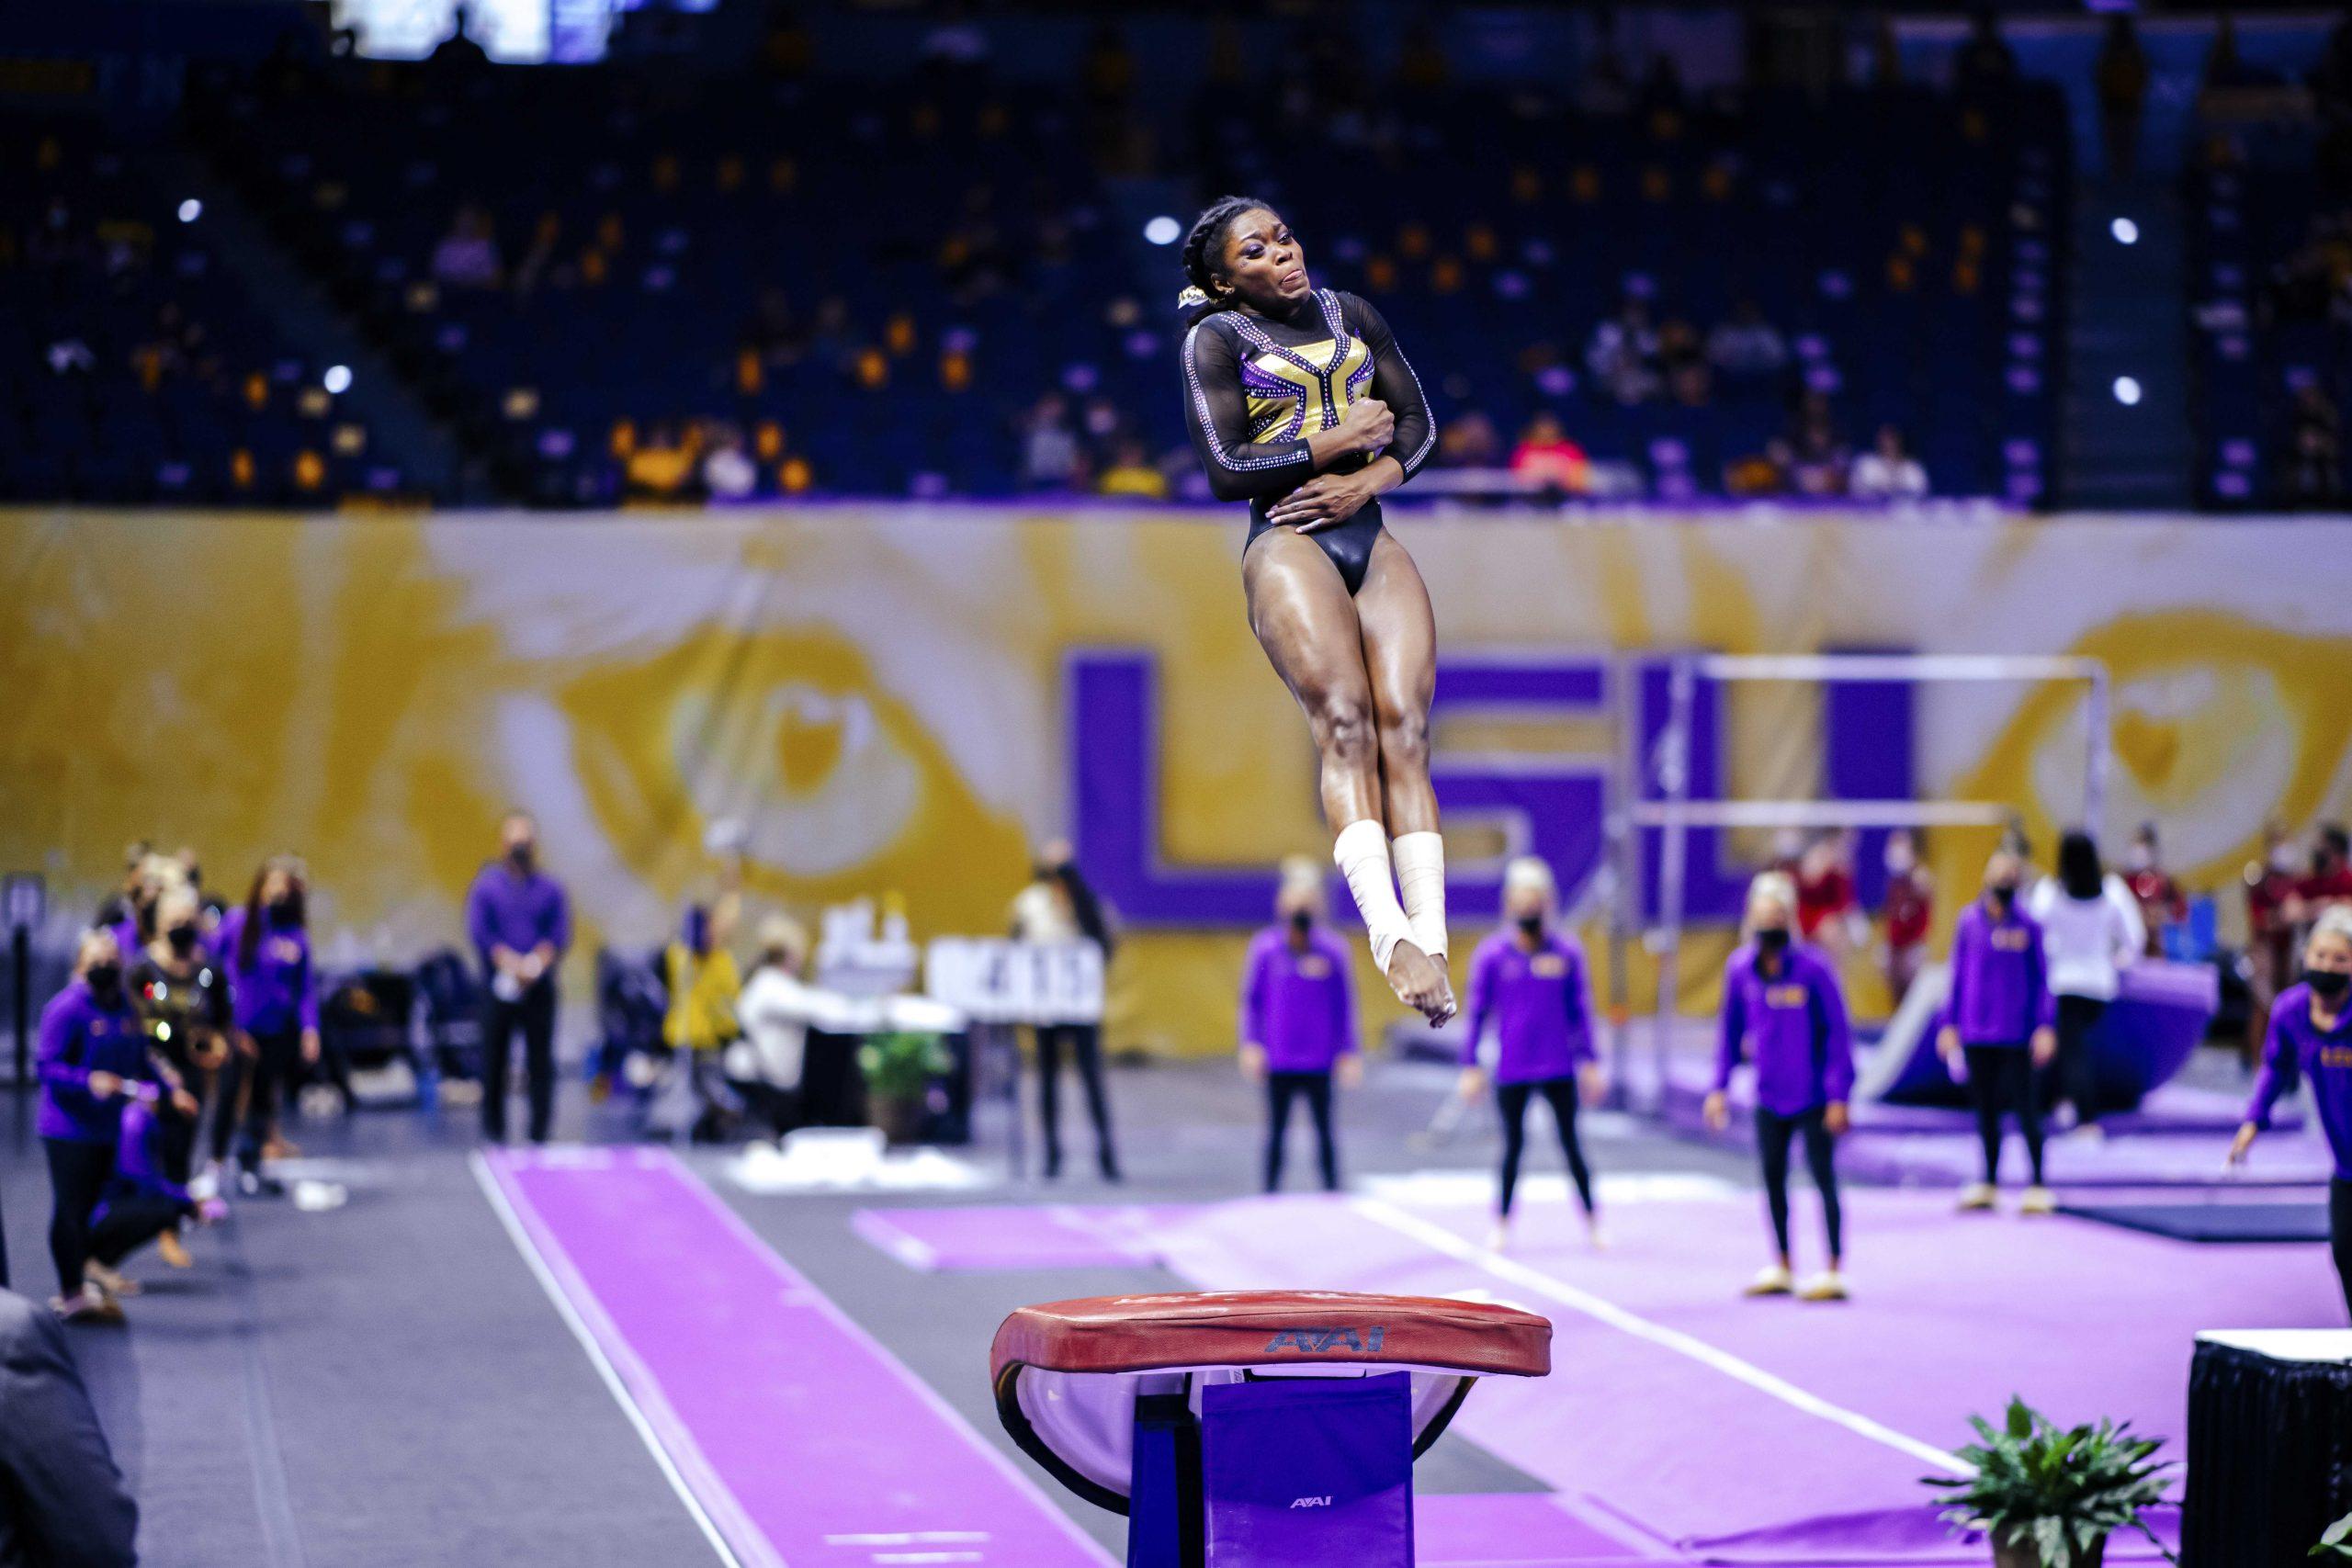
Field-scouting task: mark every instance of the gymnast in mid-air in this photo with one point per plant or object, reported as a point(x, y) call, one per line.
point(1301, 404)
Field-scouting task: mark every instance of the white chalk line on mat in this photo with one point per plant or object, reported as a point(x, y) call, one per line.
point(1437, 1238)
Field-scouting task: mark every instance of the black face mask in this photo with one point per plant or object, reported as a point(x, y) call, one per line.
point(1533, 925)
point(1302, 920)
point(522, 856)
point(2005, 897)
point(1771, 941)
point(104, 979)
point(2328, 984)
point(287, 909)
point(182, 937)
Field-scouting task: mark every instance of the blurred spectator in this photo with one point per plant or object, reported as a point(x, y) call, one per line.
point(1887, 472)
point(67, 1502)
point(699, 973)
point(2330, 879)
point(115, 906)
point(728, 471)
point(468, 255)
point(1468, 440)
point(457, 57)
point(1545, 456)
point(1622, 354)
point(2315, 455)
point(1910, 909)
point(1829, 913)
point(1744, 344)
point(2121, 76)
point(660, 464)
point(1051, 457)
point(776, 1009)
point(1131, 474)
point(2161, 904)
point(1688, 381)
point(1817, 456)
point(2270, 884)
point(1986, 63)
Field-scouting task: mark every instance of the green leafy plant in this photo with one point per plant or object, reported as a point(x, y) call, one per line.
point(2337, 1544)
point(900, 1066)
point(2060, 1491)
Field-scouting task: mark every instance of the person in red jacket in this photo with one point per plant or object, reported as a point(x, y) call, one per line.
point(2162, 904)
point(1910, 909)
point(2270, 934)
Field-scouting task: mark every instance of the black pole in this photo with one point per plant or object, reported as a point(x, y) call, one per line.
point(20, 957)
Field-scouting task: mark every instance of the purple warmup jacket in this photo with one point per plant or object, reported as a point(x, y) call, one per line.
point(516, 913)
point(1793, 1026)
point(139, 1156)
point(279, 990)
point(78, 1037)
point(1300, 1006)
point(2000, 979)
point(1538, 1002)
point(2298, 1048)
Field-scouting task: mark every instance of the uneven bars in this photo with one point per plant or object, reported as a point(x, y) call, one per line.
point(1894, 667)
point(1823, 813)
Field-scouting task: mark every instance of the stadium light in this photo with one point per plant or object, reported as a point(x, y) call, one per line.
point(1163, 230)
point(337, 379)
point(191, 209)
point(2127, 390)
point(2126, 232)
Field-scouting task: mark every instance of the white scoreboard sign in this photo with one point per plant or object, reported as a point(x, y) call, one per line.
point(997, 981)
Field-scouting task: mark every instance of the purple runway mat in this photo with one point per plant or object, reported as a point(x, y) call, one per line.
point(1053, 1236)
point(801, 1440)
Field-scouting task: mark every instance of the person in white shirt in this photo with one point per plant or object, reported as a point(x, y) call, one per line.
point(775, 1011)
point(2091, 931)
point(1058, 906)
point(1887, 472)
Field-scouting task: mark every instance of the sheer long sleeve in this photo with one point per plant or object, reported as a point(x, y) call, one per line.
point(1218, 417)
point(1393, 383)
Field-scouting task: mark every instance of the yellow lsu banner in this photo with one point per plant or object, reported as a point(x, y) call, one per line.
point(906, 698)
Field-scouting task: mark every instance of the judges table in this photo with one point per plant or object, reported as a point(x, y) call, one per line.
point(2270, 1446)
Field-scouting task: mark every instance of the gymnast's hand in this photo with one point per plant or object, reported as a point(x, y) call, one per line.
point(1836, 1120)
point(1369, 424)
point(1324, 501)
point(1716, 1110)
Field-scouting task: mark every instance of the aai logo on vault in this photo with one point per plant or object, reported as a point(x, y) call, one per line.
point(1322, 1341)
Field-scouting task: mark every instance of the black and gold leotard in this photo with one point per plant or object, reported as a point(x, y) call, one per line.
point(1253, 383)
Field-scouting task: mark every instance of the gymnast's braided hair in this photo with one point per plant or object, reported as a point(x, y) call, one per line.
point(1203, 247)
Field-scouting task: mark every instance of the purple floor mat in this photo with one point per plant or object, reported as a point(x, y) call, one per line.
point(799, 1437)
point(1517, 1529)
point(1953, 1313)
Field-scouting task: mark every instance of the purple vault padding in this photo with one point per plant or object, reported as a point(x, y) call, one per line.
point(1308, 1470)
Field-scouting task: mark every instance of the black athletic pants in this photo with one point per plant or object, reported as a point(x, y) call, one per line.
point(1999, 1074)
point(267, 1077)
point(1512, 1098)
point(2076, 1016)
point(2339, 1234)
point(1281, 1089)
point(1774, 1134)
point(78, 1172)
point(131, 1222)
point(1084, 1043)
point(533, 1012)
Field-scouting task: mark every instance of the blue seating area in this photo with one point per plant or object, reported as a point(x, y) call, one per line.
point(722, 259)
point(133, 368)
point(1908, 247)
point(2270, 292)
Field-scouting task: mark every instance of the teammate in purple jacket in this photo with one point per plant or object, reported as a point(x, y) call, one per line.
point(1783, 1011)
point(1999, 1025)
point(2310, 1038)
point(92, 1051)
point(1528, 980)
point(1299, 1019)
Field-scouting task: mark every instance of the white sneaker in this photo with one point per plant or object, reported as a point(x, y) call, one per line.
point(1977, 1195)
point(2039, 1201)
point(1498, 1238)
point(205, 1183)
point(89, 1304)
point(1770, 1281)
point(1827, 1286)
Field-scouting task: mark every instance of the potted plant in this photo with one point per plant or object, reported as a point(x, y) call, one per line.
point(2050, 1497)
point(2337, 1544)
point(898, 1070)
